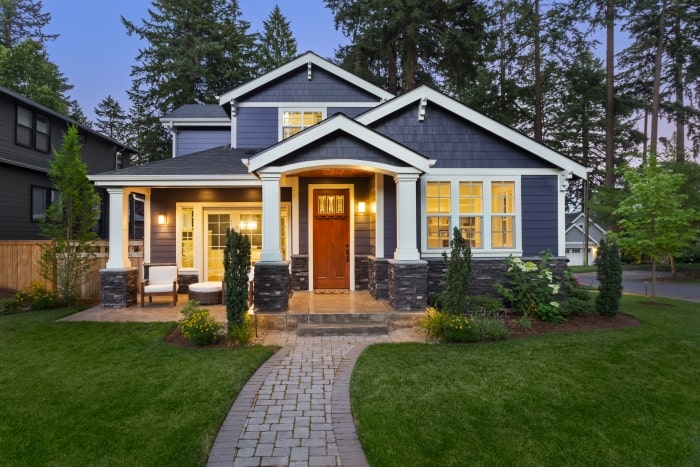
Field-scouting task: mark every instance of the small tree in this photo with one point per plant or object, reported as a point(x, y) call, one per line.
point(69, 221)
point(653, 219)
point(609, 278)
point(236, 269)
point(455, 297)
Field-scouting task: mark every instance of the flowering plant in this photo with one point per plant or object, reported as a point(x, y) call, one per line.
point(197, 325)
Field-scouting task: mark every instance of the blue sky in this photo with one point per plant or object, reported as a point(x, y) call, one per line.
point(95, 53)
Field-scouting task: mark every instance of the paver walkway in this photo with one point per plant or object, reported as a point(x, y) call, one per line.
point(295, 410)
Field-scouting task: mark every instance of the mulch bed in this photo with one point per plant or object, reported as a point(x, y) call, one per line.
point(572, 324)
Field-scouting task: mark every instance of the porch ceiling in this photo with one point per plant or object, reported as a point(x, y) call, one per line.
point(335, 172)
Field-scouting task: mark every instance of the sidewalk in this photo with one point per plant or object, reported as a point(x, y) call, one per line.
point(639, 283)
point(295, 410)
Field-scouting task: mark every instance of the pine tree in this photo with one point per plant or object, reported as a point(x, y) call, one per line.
point(276, 45)
point(69, 220)
point(111, 119)
point(196, 51)
point(236, 270)
point(455, 297)
point(21, 20)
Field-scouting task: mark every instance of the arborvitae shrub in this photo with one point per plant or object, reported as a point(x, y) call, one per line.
point(609, 279)
point(236, 269)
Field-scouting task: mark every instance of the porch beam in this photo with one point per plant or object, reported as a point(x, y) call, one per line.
point(118, 229)
point(271, 217)
point(406, 239)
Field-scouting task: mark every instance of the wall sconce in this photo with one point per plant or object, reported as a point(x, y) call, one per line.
point(162, 218)
point(361, 207)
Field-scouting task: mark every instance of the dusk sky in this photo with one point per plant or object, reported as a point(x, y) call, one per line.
point(95, 53)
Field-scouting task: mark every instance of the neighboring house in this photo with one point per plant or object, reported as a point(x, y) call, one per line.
point(575, 236)
point(339, 185)
point(28, 134)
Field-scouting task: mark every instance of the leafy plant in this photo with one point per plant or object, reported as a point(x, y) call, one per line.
point(456, 327)
point(38, 297)
point(197, 325)
point(577, 306)
point(236, 270)
point(242, 333)
point(455, 297)
point(531, 289)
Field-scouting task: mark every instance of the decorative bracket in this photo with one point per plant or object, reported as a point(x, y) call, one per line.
point(421, 108)
point(233, 108)
point(564, 179)
point(308, 70)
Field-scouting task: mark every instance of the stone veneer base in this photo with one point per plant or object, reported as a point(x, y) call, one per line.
point(271, 291)
point(118, 287)
point(408, 285)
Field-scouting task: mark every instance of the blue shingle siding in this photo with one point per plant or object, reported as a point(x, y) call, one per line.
point(350, 112)
point(540, 214)
point(341, 146)
point(453, 142)
point(296, 87)
point(189, 141)
point(389, 217)
point(257, 127)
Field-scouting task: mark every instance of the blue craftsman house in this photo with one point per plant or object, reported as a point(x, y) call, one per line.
point(339, 185)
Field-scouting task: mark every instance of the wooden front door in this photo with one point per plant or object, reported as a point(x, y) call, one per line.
point(331, 224)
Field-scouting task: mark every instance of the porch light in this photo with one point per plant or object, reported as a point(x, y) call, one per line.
point(361, 207)
point(162, 218)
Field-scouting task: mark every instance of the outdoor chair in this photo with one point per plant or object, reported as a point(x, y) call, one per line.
point(162, 280)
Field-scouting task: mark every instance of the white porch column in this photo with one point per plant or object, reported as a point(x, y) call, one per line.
point(406, 215)
point(271, 217)
point(118, 229)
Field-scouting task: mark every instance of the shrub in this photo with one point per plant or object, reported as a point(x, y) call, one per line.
point(12, 305)
point(485, 305)
point(457, 328)
point(574, 288)
point(609, 279)
point(577, 306)
point(197, 325)
point(242, 333)
point(455, 297)
point(531, 289)
point(39, 297)
point(236, 269)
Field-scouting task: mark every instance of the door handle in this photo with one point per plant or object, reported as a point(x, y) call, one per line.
point(347, 253)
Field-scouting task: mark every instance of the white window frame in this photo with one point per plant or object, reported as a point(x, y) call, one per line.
point(282, 110)
point(486, 250)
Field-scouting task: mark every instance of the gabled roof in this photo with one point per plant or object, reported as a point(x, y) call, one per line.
point(575, 218)
point(426, 95)
point(220, 166)
point(338, 123)
point(304, 60)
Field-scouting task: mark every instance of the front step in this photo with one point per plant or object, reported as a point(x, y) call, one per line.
point(359, 329)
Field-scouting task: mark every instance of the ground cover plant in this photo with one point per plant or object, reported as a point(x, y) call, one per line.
point(606, 397)
point(80, 393)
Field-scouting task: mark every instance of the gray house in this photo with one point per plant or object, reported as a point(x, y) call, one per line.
point(28, 134)
point(575, 239)
point(339, 185)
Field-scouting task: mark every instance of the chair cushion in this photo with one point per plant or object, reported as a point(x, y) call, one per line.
point(158, 288)
point(162, 275)
point(204, 287)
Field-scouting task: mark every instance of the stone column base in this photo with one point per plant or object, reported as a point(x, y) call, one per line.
point(408, 285)
point(378, 278)
point(118, 287)
point(271, 286)
point(300, 272)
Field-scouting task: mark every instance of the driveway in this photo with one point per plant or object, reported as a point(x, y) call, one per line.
point(639, 283)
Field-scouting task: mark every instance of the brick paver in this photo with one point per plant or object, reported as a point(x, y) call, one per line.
point(295, 410)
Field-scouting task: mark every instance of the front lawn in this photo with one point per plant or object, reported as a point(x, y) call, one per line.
point(614, 397)
point(111, 393)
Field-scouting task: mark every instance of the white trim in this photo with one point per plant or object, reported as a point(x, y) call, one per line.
point(331, 186)
point(344, 124)
point(218, 121)
point(192, 181)
point(294, 231)
point(305, 104)
point(478, 119)
point(339, 163)
point(561, 224)
point(303, 61)
point(486, 251)
point(498, 172)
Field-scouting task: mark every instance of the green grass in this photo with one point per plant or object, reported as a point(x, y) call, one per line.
point(111, 393)
point(626, 397)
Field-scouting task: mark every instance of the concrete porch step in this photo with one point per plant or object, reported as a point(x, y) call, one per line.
point(362, 329)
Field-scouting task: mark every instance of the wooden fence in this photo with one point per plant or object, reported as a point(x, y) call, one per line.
point(20, 264)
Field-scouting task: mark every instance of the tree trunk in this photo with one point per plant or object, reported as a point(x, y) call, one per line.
point(538, 74)
point(610, 96)
point(656, 91)
point(678, 84)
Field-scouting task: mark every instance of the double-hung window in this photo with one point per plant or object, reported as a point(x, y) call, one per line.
point(485, 210)
point(42, 197)
point(32, 130)
point(295, 120)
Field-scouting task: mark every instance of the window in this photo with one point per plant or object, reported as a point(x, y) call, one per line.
point(33, 130)
point(484, 210)
point(42, 198)
point(294, 121)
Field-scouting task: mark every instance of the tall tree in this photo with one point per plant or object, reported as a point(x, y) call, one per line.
point(276, 45)
point(196, 51)
point(26, 69)
point(112, 120)
point(21, 20)
point(69, 220)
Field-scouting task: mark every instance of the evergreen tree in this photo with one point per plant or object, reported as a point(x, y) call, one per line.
point(236, 270)
point(112, 120)
point(21, 20)
point(455, 297)
point(26, 69)
point(69, 221)
point(196, 51)
point(609, 279)
point(276, 45)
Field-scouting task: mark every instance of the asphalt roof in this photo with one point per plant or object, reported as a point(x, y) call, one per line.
point(217, 161)
point(197, 111)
